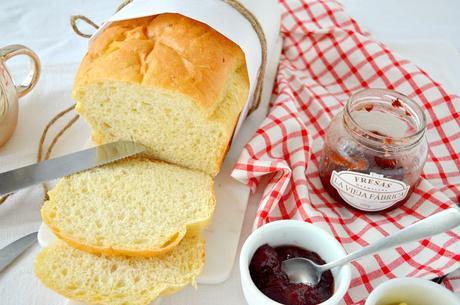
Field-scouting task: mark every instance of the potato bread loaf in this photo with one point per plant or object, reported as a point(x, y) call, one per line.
point(168, 82)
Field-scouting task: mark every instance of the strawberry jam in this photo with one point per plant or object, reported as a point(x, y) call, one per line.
point(266, 273)
point(374, 151)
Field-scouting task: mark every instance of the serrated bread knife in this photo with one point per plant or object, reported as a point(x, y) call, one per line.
point(22, 177)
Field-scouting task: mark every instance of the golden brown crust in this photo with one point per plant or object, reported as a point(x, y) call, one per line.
point(191, 230)
point(167, 51)
point(116, 251)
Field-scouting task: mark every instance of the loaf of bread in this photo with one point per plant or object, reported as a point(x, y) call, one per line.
point(134, 207)
point(96, 279)
point(168, 82)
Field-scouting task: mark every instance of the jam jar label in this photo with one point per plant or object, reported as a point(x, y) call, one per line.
point(368, 192)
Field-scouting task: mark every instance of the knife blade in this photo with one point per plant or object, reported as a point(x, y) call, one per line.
point(9, 253)
point(22, 177)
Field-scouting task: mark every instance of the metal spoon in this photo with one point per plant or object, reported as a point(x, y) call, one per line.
point(302, 270)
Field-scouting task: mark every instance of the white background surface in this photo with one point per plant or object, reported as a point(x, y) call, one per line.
point(427, 32)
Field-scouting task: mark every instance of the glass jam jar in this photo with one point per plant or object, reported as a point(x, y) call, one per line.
point(374, 151)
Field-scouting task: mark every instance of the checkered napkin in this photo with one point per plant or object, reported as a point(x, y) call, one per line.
point(326, 57)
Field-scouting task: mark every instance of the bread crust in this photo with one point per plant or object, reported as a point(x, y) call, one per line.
point(191, 230)
point(167, 51)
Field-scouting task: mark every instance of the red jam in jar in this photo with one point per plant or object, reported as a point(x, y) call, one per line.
point(374, 151)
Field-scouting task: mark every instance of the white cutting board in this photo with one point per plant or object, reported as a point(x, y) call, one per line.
point(223, 234)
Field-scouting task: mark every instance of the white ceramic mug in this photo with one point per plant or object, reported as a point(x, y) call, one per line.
point(411, 291)
point(10, 92)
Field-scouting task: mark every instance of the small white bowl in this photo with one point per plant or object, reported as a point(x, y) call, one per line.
point(301, 234)
point(411, 291)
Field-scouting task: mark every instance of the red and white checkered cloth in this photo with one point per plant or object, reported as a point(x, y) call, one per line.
point(326, 57)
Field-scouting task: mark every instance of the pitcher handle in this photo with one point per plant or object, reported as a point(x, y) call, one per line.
point(33, 75)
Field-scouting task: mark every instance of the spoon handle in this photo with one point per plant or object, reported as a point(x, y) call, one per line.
point(435, 224)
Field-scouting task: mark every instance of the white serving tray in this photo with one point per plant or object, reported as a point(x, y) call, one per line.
point(223, 234)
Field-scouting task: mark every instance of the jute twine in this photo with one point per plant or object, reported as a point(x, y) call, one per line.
point(42, 155)
point(75, 18)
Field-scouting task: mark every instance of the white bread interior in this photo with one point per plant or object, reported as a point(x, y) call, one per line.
point(98, 279)
point(134, 207)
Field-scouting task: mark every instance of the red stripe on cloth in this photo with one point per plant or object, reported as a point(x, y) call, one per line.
point(325, 58)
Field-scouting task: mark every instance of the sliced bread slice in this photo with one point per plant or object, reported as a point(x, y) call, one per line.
point(108, 280)
point(134, 207)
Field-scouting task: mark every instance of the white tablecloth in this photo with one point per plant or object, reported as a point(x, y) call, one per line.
point(427, 32)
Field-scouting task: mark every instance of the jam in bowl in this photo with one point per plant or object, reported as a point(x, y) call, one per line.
point(265, 270)
point(262, 280)
point(374, 151)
